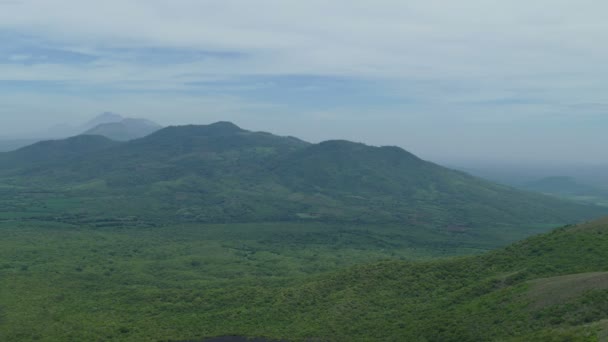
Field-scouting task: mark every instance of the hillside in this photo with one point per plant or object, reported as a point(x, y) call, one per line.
point(53, 153)
point(222, 173)
point(552, 287)
point(201, 231)
point(59, 131)
point(125, 130)
point(185, 283)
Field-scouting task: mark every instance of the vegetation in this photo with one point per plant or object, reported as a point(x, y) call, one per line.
point(221, 173)
point(202, 231)
point(189, 282)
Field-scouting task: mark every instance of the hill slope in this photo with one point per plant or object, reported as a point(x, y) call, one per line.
point(222, 173)
point(54, 152)
point(569, 188)
point(552, 287)
point(185, 283)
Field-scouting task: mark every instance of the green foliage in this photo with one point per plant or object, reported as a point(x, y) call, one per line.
point(52, 153)
point(201, 231)
point(288, 281)
point(221, 173)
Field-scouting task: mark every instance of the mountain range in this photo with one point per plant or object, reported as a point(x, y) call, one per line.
point(213, 230)
point(222, 173)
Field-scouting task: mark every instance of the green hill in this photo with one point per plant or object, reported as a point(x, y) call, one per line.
point(552, 287)
point(395, 185)
point(222, 173)
point(202, 231)
point(53, 153)
point(184, 283)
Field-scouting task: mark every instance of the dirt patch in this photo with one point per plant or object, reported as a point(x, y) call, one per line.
point(557, 290)
point(600, 225)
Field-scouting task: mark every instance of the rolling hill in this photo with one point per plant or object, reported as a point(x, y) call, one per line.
point(200, 231)
point(186, 283)
point(552, 287)
point(56, 152)
point(222, 173)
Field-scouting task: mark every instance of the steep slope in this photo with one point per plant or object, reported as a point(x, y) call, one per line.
point(396, 185)
point(125, 130)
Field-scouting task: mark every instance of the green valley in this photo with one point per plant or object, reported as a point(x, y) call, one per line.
point(296, 282)
point(201, 231)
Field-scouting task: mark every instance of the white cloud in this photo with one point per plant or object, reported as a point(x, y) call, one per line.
point(370, 38)
point(475, 64)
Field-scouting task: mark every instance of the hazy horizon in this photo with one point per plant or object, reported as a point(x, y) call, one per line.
point(474, 80)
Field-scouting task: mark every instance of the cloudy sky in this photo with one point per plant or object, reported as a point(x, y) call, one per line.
point(470, 79)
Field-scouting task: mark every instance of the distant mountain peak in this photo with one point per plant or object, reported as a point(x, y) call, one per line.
point(340, 143)
point(354, 148)
point(103, 118)
point(221, 128)
point(125, 129)
point(225, 126)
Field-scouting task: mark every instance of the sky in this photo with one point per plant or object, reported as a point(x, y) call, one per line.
point(448, 80)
